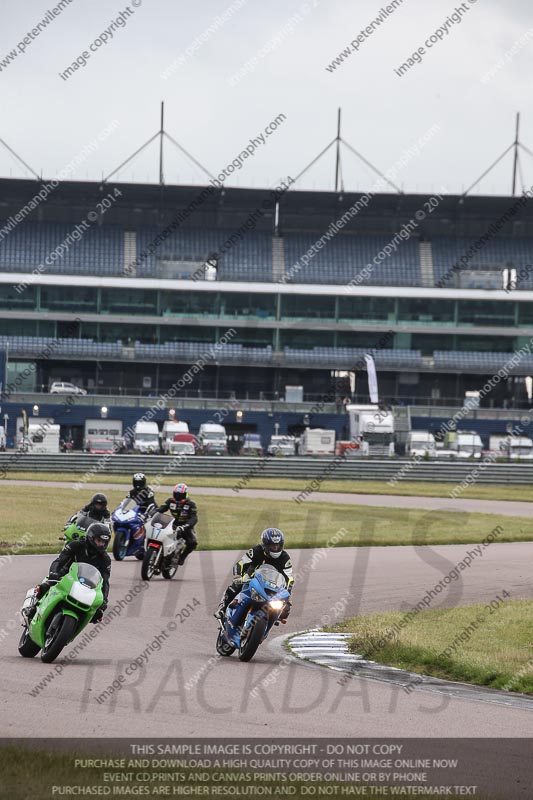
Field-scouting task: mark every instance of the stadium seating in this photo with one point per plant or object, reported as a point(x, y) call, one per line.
point(348, 356)
point(32, 346)
point(249, 259)
point(497, 253)
point(100, 251)
point(481, 361)
point(345, 255)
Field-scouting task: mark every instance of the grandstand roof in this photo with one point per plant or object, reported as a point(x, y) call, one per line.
point(142, 204)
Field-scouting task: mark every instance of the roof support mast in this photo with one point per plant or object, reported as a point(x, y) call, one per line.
point(161, 134)
point(516, 146)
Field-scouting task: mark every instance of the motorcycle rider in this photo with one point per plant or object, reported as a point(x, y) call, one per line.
point(141, 492)
point(97, 508)
point(185, 514)
point(91, 549)
point(269, 551)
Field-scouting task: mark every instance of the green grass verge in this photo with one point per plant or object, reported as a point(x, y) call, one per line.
point(487, 645)
point(405, 488)
point(32, 521)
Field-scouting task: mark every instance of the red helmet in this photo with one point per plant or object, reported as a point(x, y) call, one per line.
point(180, 492)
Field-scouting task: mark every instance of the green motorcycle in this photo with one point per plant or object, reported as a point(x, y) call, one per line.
point(63, 612)
point(76, 527)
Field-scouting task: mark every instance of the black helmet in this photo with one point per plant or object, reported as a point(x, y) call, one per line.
point(99, 500)
point(272, 541)
point(98, 536)
point(139, 480)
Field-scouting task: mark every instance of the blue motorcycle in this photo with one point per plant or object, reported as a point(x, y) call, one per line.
point(128, 525)
point(251, 615)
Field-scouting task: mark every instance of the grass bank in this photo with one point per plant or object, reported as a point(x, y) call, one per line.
point(489, 644)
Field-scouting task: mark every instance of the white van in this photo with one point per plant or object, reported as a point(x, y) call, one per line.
point(170, 429)
point(421, 443)
point(212, 439)
point(146, 437)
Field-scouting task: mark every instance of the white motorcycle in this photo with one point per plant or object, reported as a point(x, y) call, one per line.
point(163, 548)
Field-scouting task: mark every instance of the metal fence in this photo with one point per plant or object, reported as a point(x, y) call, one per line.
point(242, 469)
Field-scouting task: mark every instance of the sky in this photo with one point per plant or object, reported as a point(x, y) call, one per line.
point(227, 68)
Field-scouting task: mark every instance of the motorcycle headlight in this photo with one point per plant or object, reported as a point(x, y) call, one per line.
point(256, 596)
point(276, 605)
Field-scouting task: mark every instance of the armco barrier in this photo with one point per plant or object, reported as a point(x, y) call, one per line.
point(304, 469)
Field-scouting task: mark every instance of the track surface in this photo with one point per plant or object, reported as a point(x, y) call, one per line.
point(505, 507)
point(299, 700)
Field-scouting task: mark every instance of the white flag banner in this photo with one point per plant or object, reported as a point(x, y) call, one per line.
point(372, 379)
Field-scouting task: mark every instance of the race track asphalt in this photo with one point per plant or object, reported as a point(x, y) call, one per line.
point(184, 690)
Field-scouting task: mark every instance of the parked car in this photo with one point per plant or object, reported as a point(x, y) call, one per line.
point(183, 444)
point(62, 387)
point(282, 446)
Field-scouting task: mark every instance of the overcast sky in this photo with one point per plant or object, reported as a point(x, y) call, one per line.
point(49, 120)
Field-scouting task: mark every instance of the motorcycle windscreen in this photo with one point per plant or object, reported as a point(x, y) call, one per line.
point(163, 519)
point(129, 504)
point(83, 520)
point(89, 575)
point(272, 579)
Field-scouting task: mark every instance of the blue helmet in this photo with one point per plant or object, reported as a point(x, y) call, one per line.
point(272, 541)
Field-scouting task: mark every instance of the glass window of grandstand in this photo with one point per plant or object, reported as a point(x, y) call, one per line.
point(128, 301)
point(485, 344)
point(249, 304)
point(426, 311)
point(525, 314)
point(127, 334)
point(485, 312)
point(427, 344)
point(307, 340)
point(253, 338)
point(366, 339)
point(18, 327)
point(190, 304)
point(307, 307)
point(187, 333)
point(366, 308)
point(68, 298)
point(12, 299)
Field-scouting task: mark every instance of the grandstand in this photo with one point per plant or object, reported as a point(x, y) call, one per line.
point(130, 302)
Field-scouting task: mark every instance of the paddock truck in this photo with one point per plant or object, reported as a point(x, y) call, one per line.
point(163, 548)
point(63, 612)
point(250, 616)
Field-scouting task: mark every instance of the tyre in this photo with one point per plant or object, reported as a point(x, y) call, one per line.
point(58, 634)
point(148, 565)
point(169, 569)
point(223, 648)
point(27, 646)
point(254, 638)
point(120, 546)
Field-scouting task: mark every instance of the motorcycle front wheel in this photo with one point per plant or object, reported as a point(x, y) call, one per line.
point(27, 646)
point(223, 648)
point(169, 568)
point(120, 546)
point(253, 639)
point(149, 564)
point(58, 634)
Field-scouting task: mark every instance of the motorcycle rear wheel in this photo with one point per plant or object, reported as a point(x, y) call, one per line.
point(62, 632)
point(254, 638)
